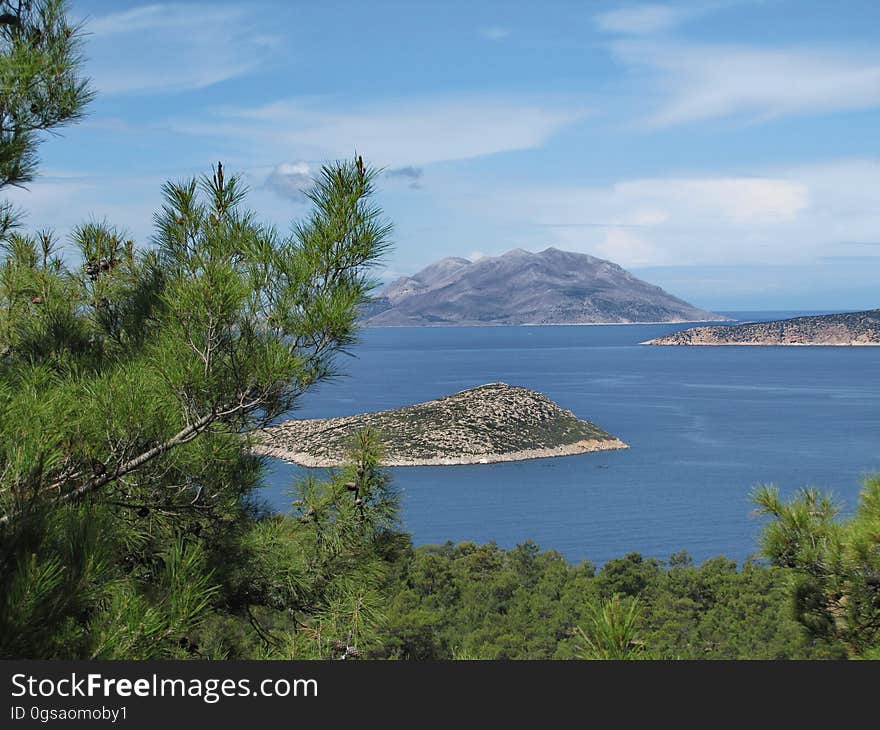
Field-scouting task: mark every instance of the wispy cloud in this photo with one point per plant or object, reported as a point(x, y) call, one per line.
point(63, 200)
point(641, 19)
point(406, 132)
point(799, 214)
point(174, 47)
point(703, 82)
point(661, 220)
point(495, 33)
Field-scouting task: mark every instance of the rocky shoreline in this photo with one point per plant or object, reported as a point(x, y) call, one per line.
point(488, 424)
point(580, 447)
point(850, 329)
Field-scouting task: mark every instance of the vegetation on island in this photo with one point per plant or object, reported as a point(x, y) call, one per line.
point(848, 328)
point(130, 520)
point(492, 422)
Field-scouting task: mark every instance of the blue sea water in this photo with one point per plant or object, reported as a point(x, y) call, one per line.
point(705, 426)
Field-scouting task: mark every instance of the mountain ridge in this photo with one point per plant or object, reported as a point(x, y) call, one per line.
point(520, 287)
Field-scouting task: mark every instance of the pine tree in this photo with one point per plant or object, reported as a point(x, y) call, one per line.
point(612, 630)
point(130, 381)
point(834, 564)
point(41, 86)
point(128, 388)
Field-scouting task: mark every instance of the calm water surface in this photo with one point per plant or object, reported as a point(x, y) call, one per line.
point(705, 426)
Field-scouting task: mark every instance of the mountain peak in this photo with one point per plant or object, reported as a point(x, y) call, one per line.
point(522, 287)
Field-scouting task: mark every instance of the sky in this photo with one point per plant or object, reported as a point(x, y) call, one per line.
point(726, 150)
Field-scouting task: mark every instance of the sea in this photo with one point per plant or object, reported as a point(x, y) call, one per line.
point(706, 426)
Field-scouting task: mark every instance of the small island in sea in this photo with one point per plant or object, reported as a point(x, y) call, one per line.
point(847, 329)
point(490, 423)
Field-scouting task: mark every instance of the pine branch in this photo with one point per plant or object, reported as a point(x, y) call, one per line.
point(183, 436)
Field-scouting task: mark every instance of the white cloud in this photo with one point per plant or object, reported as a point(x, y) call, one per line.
point(407, 132)
point(495, 33)
point(290, 179)
point(620, 244)
point(174, 47)
point(732, 200)
point(164, 17)
point(795, 215)
point(640, 19)
point(713, 81)
point(42, 196)
point(65, 200)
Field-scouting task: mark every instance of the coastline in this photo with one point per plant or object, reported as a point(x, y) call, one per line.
point(843, 329)
point(540, 324)
point(585, 446)
point(760, 344)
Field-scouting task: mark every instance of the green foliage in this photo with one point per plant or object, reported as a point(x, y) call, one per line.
point(612, 630)
point(120, 364)
point(311, 583)
point(469, 601)
point(41, 87)
point(129, 384)
point(835, 565)
point(130, 524)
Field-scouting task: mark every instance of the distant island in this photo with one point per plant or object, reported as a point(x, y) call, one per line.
point(519, 287)
point(851, 328)
point(490, 423)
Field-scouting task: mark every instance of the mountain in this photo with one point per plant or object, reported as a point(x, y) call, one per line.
point(520, 287)
point(490, 423)
point(850, 328)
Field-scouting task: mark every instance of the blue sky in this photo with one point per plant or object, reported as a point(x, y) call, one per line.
point(726, 150)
